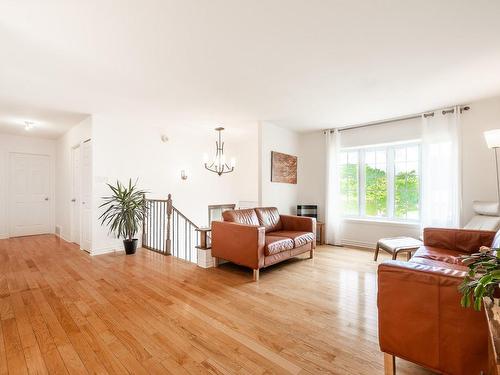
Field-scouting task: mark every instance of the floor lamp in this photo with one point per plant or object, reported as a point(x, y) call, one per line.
point(492, 138)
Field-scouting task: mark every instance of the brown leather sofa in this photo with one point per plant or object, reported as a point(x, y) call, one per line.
point(419, 314)
point(257, 238)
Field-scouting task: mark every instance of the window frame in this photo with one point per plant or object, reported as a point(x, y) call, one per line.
point(390, 173)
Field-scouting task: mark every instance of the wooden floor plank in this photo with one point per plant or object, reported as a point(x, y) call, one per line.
point(63, 311)
point(14, 352)
point(3, 355)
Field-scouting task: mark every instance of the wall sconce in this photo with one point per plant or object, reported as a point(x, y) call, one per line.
point(184, 174)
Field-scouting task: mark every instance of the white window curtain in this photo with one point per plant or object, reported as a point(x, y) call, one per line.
point(332, 188)
point(441, 170)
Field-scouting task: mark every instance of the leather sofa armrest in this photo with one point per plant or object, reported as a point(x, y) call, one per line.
point(463, 240)
point(299, 223)
point(239, 243)
point(420, 318)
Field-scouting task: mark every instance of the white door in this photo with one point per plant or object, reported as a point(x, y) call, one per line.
point(86, 195)
point(75, 196)
point(29, 194)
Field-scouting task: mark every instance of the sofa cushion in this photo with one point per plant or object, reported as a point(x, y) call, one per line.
point(439, 264)
point(247, 216)
point(269, 217)
point(299, 238)
point(276, 244)
point(438, 254)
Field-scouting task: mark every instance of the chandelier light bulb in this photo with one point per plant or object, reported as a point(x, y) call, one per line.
point(218, 164)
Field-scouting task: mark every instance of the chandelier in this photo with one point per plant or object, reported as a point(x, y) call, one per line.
point(218, 164)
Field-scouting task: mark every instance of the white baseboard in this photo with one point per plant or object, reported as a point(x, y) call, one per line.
point(368, 245)
point(4, 236)
point(105, 250)
point(62, 237)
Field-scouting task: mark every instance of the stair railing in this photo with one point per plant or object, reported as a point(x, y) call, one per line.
point(168, 231)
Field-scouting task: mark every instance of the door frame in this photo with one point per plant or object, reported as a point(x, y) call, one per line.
point(79, 146)
point(51, 194)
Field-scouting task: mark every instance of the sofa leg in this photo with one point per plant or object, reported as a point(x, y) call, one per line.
point(255, 275)
point(216, 262)
point(389, 364)
point(311, 255)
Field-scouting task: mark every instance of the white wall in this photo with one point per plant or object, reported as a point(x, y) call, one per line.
point(64, 183)
point(478, 171)
point(478, 162)
point(12, 143)
point(311, 171)
point(130, 147)
point(283, 196)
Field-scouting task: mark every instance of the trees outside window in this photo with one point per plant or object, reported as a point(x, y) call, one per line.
point(382, 182)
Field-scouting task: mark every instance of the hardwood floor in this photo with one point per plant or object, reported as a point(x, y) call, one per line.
point(63, 311)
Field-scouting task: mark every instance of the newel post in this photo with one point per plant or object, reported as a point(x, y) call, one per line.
point(167, 229)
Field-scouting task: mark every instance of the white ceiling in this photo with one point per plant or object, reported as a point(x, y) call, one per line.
point(46, 123)
point(302, 64)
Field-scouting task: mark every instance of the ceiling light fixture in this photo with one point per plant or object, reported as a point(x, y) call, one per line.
point(218, 164)
point(28, 125)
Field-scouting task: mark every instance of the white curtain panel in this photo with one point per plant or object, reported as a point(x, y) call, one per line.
point(441, 170)
point(332, 188)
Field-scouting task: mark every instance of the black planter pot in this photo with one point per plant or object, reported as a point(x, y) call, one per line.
point(130, 246)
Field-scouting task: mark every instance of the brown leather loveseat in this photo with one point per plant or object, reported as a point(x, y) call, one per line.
point(257, 238)
point(419, 313)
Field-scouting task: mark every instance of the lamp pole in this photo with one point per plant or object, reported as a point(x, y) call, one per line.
point(496, 169)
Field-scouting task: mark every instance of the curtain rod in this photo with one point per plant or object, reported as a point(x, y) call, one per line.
point(388, 121)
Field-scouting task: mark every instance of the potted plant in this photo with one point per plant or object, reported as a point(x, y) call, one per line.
point(483, 277)
point(125, 212)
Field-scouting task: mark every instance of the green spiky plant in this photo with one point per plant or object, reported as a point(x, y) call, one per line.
point(483, 277)
point(125, 211)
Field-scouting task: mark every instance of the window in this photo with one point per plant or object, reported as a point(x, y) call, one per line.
point(375, 167)
point(381, 182)
point(406, 183)
point(349, 182)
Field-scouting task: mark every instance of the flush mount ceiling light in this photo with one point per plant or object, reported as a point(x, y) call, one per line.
point(218, 164)
point(28, 125)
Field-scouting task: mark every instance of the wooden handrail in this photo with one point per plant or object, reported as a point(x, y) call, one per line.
point(184, 217)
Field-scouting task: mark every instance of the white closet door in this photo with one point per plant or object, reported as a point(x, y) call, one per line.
point(86, 194)
point(29, 190)
point(76, 196)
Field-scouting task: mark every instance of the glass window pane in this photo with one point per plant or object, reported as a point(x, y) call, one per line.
point(412, 166)
point(370, 157)
point(406, 185)
point(349, 185)
point(381, 156)
point(400, 154)
point(353, 157)
point(376, 190)
point(412, 153)
point(343, 158)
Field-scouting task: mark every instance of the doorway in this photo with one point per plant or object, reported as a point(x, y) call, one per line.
point(81, 201)
point(29, 194)
point(75, 200)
